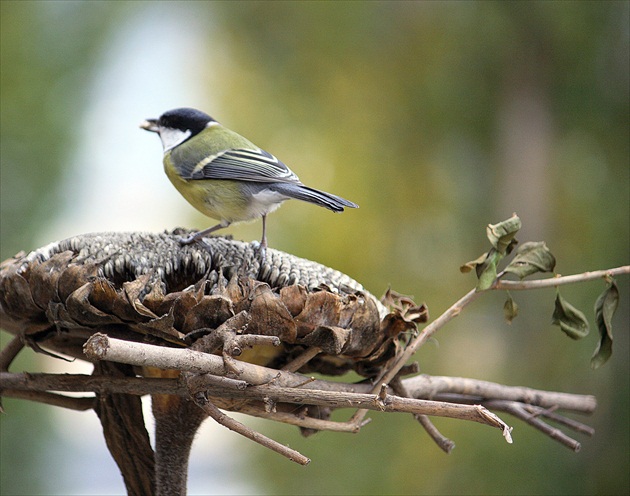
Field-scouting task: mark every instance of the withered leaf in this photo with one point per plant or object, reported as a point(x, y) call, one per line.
point(605, 308)
point(487, 271)
point(394, 324)
point(360, 315)
point(485, 267)
point(331, 339)
point(321, 309)
point(135, 291)
point(570, 320)
point(210, 312)
point(294, 298)
point(510, 309)
point(73, 277)
point(269, 316)
point(16, 298)
point(531, 257)
point(182, 306)
point(473, 264)
point(502, 235)
point(83, 312)
point(44, 277)
point(162, 327)
point(103, 295)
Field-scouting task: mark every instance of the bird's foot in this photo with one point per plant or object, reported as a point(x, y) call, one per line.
point(187, 240)
point(261, 250)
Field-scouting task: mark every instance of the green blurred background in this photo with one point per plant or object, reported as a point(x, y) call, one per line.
point(436, 117)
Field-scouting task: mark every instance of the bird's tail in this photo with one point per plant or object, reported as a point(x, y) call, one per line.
point(311, 195)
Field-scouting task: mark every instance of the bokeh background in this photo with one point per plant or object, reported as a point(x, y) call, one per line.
point(436, 117)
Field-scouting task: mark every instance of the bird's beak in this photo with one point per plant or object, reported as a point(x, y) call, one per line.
point(150, 125)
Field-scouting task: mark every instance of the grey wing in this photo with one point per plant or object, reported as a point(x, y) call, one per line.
point(244, 164)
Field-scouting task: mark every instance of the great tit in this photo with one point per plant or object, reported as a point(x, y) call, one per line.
point(224, 175)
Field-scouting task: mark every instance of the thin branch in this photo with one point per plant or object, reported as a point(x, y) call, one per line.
point(236, 426)
point(451, 389)
point(442, 441)
point(102, 347)
point(69, 402)
point(561, 419)
point(354, 395)
point(560, 280)
point(455, 309)
point(520, 411)
point(9, 352)
point(299, 419)
point(424, 335)
point(391, 403)
point(428, 386)
point(334, 399)
point(80, 383)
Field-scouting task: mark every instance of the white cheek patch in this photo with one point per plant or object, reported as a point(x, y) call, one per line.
point(172, 137)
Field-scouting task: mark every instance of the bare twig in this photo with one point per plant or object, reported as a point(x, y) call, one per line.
point(85, 383)
point(520, 411)
point(561, 419)
point(236, 426)
point(301, 360)
point(560, 280)
point(442, 441)
point(427, 386)
point(424, 335)
point(455, 309)
point(102, 347)
point(9, 352)
point(69, 402)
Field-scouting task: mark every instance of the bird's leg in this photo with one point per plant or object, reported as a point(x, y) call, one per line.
point(198, 235)
point(263, 241)
point(262, 247)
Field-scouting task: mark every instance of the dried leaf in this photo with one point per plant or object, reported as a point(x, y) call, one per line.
point(501, 235)
point(487, 272)
point(73, 277)
point(360, 315)
point(510, 309)
point(269, 316)
point(83, 312)
point(162, 327)
point(321, 309)
point(330, 339)
point(394, 324)
point(135, 291)
point(44, 277)
point(294, 298)
point(473, 264)
point(570, 320)
point(531, 257)
point(16, 298)
point(103, 295)
point(210, 312)
point(183, 304)
point(605, 308)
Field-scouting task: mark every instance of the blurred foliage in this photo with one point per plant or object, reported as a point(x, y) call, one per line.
point(437, 118)
point(47, 57)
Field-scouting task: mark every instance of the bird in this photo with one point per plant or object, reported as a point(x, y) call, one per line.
point(224, 175)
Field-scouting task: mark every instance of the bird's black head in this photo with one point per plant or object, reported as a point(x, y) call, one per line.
point(177, 126)
point(185, 119)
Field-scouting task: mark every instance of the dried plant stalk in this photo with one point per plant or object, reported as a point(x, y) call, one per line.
point(214, 325)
